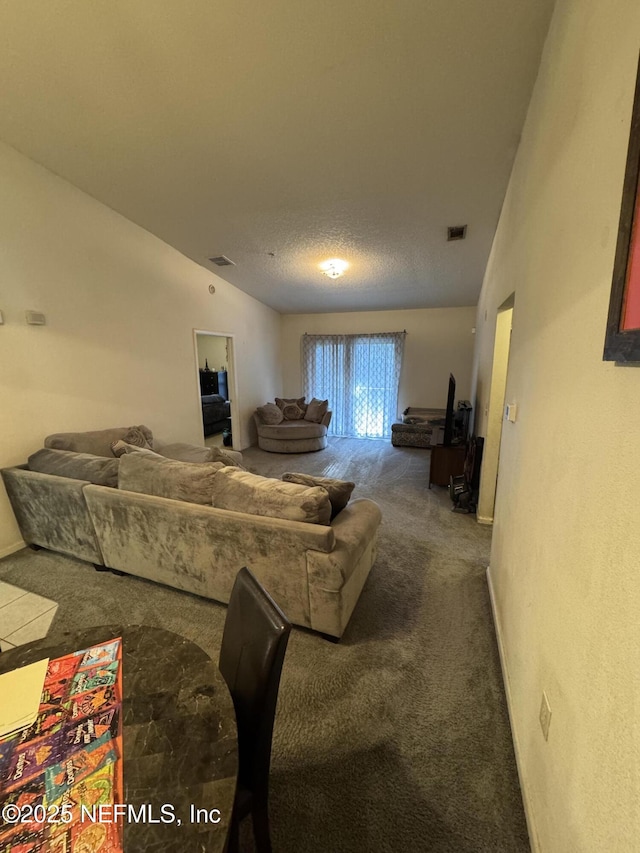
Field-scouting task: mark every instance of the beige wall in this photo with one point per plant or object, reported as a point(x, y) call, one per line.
point(212, 350)
point(495, 416)
point(439, 341)
point(121, 307)
point(565, 561)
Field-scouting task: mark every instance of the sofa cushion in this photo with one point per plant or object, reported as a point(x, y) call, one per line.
point(316, 410)
point(288, 430)
point(184, 452)
point(226, 457)
point(270, 413)
point(79, 466)
point(97, 442)
point(244, 492)
point(339, 490)
point(151, 474)
point(293, 408)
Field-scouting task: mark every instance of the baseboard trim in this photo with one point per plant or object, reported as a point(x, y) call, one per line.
point(528, 809)
point(11, 549)
point(483, 519)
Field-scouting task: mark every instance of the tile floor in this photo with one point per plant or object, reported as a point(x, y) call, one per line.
point(24, 616)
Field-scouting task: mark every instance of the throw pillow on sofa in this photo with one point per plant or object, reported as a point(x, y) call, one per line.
point(339, 490)
point(316, 410)
point(241, 491)
point(99, 470)
point(270, 414)
point(293, 408)
point(148, 473)
point(138, 436)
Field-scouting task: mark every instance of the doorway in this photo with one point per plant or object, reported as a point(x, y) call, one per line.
point(217, 400)
point(491, 452)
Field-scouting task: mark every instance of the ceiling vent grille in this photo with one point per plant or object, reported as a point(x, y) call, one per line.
point(222, 261)
point(456, 232)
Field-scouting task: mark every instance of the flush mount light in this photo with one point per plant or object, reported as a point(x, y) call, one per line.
point(334, 268)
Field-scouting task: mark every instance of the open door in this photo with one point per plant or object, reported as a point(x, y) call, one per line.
point(216, 386)
point(491, 452)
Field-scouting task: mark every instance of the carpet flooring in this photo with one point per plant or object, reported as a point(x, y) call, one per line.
point(397, 738)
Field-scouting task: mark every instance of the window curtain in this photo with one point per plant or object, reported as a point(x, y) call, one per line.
point(359, 376)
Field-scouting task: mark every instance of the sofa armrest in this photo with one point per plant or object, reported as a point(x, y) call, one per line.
point(337, 579)
point(354, 528)
point(51, 512)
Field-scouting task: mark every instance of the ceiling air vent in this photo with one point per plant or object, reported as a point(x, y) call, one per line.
point(456, 232)
point(222, 261)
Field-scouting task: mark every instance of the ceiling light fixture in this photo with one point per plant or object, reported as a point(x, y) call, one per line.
point(334, 268)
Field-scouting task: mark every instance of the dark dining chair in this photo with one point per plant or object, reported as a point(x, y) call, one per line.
point(254, 641)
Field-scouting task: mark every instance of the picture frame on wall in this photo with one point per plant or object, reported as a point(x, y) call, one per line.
point(622, 339)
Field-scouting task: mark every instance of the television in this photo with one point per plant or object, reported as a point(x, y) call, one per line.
point(448, 420)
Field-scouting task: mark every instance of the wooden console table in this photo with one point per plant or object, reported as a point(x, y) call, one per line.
point(446, 462)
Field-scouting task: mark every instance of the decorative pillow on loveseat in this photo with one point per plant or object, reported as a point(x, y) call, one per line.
point(149, 473)
point(99, 470)
point(293, 408)
point(339, 490)
point(316, 410)
point(270, 414)
point(241, 491)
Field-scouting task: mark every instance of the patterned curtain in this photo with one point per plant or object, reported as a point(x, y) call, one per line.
point(359, 376)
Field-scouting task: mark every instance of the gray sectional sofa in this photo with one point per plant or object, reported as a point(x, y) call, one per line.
point(315, 571)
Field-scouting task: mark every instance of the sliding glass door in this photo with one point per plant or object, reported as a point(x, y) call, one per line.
point(359, 375)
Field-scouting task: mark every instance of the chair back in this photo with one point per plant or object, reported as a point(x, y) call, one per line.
point(254, 641)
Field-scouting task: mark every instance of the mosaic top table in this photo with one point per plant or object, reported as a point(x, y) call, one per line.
point(179, 748)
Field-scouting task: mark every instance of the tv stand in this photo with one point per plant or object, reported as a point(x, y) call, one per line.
point(446, 461)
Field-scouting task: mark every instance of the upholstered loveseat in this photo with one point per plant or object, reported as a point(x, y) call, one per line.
point(315, 571)
point(292, 426)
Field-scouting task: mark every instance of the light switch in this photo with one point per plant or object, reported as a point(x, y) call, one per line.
point(511, 412)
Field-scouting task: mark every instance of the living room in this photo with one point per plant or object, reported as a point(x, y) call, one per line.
point(117, 348)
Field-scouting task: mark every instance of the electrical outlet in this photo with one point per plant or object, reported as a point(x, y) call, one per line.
point(545, 715)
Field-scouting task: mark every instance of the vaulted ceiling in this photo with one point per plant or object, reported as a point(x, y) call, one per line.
point(286, 132)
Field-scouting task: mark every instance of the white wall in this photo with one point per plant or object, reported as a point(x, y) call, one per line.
point(439, 341)
point(565, 561)
point(121, 307)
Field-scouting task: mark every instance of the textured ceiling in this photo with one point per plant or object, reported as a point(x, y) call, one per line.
point(284, 133)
